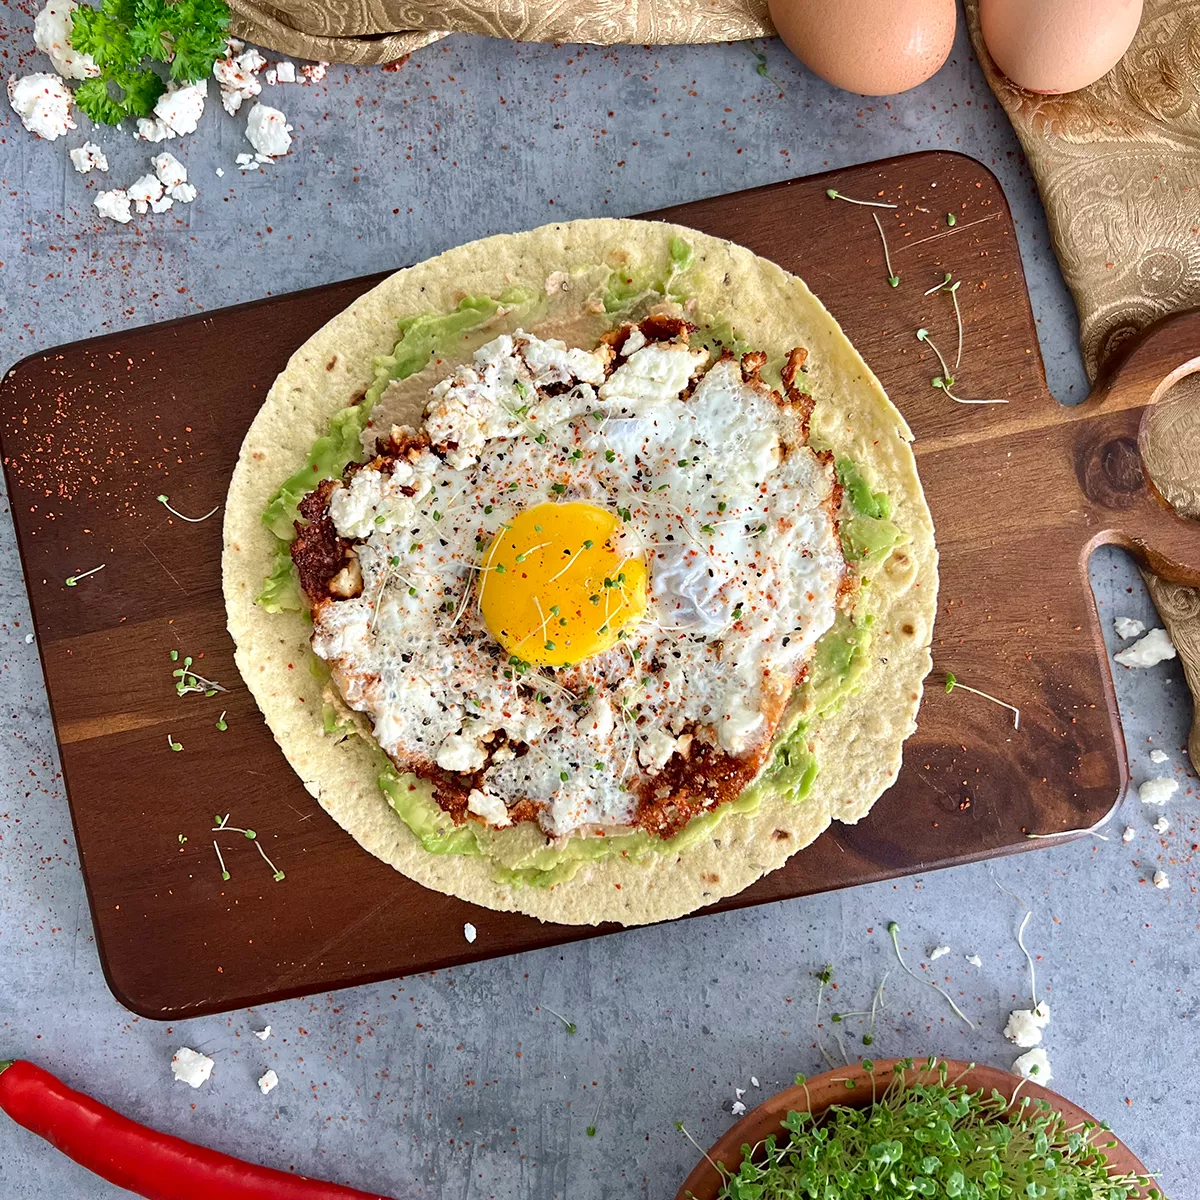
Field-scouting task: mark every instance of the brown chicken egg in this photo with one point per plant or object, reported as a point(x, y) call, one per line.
point(1058, 45)
point(874, 47)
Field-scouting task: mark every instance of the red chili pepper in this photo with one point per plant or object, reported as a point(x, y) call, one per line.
point(140, 1159)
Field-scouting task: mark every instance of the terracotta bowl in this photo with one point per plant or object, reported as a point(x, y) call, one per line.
point(825, 1090)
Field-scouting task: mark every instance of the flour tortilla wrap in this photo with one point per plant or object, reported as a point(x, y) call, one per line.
point(857, 746)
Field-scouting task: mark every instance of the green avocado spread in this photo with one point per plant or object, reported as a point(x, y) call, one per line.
point(520, 855)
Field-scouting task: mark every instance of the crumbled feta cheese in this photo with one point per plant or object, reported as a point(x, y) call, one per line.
point(1147, 651)
point(937, 952)
point(247, 160)
point(52, 36)
point(267, 1082)
point(470, 932)
point(114, 205)
point(1129, 834)
point(43, 102)
point(754, 1080)
point(1128, 627)
point(739, 1092)
point(144, 191)
point(1161, 880)
point(975, 960)
point(176, 113)
point(1157, 791)
point(237, 78)
point(737, 1108)
point(161, 204)
point(1024, 1026)
point(263, 1034)
point(267, 130)
point(1158, 757)
point(285, 72)
point(169, 169)
point(87, 157)
point(488, 806)
point(190, 1067)
point(315, 72)
point(1162, 825)
point(1034, 1065)
point(459, 752)
point(271, 76)
point(185, 193)
point(220, 172)
point(29, 639)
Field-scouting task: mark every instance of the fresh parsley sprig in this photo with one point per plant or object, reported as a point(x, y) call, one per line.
point(125, 36)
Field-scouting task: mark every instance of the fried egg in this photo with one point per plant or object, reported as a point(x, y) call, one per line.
point(583, 591)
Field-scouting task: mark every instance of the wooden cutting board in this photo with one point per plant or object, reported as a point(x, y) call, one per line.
point(93, 432)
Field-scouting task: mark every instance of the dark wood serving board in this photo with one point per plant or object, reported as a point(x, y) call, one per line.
point(93, 432)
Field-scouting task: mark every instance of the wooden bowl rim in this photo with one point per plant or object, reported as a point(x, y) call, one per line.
point(830, 1088)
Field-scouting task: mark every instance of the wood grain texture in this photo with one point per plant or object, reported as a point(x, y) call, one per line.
point(92, 433)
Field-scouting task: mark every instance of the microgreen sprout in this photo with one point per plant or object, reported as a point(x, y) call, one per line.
point(893, 278)
point(951, 220)
point(834, 194)
point(174, 745)
point(194, 520)
point(187, 681)
point(824, 978)
point(222, 826)
point(680, 1127)
point(182, 839)
point(945, 381)
point(221, 862)
point(931, 1136)
point(761, 69)
point(72, 580)
point(568, 1025)
point(951, 285)
point(591, 1129)
point(894, 930)
point(952, 683)
point(222, 724)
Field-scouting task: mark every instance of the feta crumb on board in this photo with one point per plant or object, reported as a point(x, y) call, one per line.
point(315, 72)
point(177, 112)
point(263, 1034)
point(285, 72)
point(739, 1092)
point(754, 1080)
point(237, 75)
point(52, 36)
point(1158, 757)
point(937, 952)
point(267, 130)
point(1129, 834)
point(1034, 1065)
point(43, 102)
point(172, 174)
point(114, 205)
point(1024, 1026)
point(1128, 627)
point(147, 191)
point(470, 932)
point(1161, 880)
point(975, 960)
point(1147, 651)
point(1162, 825)
point(220, 172)
point(88, 157)
point(190, 1067)
point(737, 1108)
point(267, 1082)
point(1157, 791)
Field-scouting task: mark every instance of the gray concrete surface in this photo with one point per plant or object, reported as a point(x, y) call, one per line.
point(459, 1084)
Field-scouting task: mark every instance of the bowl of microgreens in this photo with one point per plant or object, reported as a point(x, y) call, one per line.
point(897, 1129)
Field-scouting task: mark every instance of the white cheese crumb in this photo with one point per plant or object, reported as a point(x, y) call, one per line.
point(29, 639)
point(488, 806)
point(267, 130)
point(754, 1080)
point(267, 1082)
point(737, 1108)
point(1024, 1026)
point(739, 1092)
point(1162, 825)
point(315, 72)
point(87, 157)
point(1158, 757)
point(285, 72)
point(1147, 651)
point(52, 36)
point(237, 77)
point(169, 169)
point(43, 102)
point(470, 932)
point(1128, 627)
point(1157, 791)
point(975, 960)
point(144, 191)
point(114, 205)
point(190, 1067)
point(263, 1034)
point(1129, 834)
point(220, 172)
point(938, 952)
point(176, 113)
point(185, 193)
point(271, 76)
point(1161, 880)
point(1034, 1065)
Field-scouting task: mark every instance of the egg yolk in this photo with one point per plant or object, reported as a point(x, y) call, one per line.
point(557, 586)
